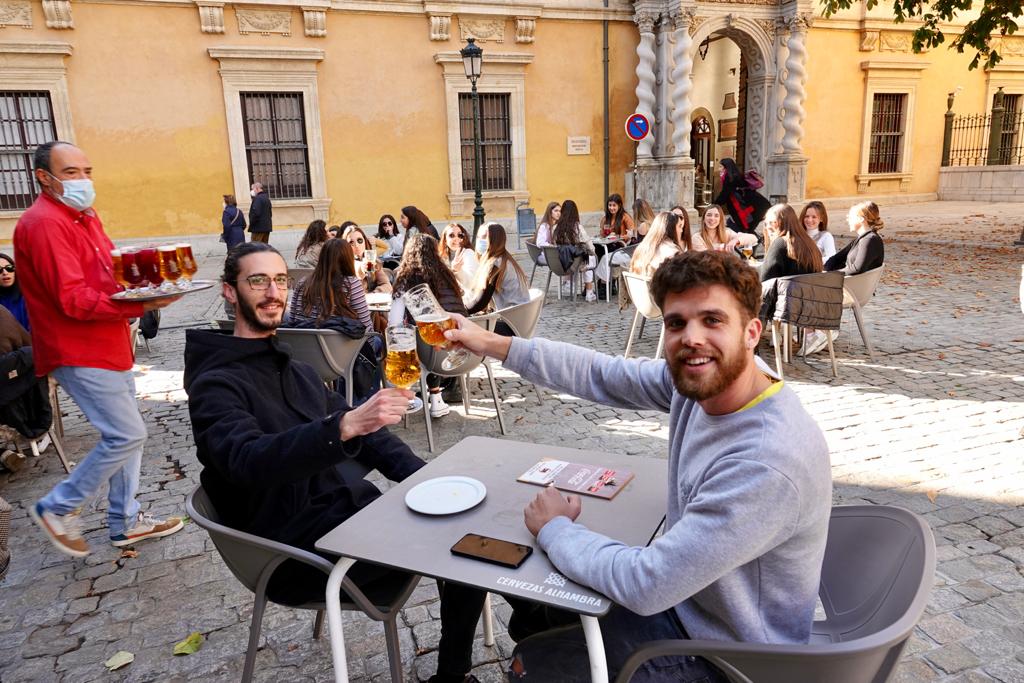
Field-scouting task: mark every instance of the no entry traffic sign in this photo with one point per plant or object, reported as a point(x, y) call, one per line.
point(637, 127)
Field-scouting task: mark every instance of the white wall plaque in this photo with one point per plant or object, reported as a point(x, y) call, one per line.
point(579, 144)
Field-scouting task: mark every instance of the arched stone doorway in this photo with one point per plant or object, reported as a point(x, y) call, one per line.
point(702, 151)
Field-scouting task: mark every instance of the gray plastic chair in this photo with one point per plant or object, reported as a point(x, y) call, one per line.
point(875, 581)
point(857, 292)
point(535, 253)
point(523, 320)
point(430, 361)
point(332, 354)
point(615, 271)
point(639, 288)
point(253, 560)
point(555, 268)
point(812, 301)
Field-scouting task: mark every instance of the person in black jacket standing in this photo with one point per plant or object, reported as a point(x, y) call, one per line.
point(746, 206)
point(285, 458)
point(260, 214)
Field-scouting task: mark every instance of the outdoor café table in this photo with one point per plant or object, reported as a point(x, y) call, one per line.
point(379, 301)
point(388, 533)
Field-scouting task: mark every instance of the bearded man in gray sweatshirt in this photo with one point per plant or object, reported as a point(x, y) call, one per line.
point(749, 484)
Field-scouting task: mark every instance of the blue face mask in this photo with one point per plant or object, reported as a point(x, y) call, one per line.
point(481, 247)
point(78, 194)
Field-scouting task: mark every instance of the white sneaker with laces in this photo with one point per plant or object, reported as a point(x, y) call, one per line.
point(438, 408)
point(591, 295)
point(816, 342)
point(147, 526)
point(64, 531)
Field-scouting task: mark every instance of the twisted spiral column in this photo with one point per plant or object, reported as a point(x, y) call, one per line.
point(682, 84)
point(793, 105)
point(646, 78)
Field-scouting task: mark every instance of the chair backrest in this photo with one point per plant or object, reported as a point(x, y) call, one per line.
point(431, 358)
point(534, 251)
point(639, 288)
point(555, 263)
point(245, 555)
point(331, 353)
point(523, 318)
point(861, 287)
point(812, 300)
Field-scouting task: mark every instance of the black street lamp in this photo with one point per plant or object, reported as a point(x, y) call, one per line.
point(472, 60)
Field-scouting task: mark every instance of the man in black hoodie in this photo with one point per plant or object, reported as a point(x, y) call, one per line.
point(284, 458)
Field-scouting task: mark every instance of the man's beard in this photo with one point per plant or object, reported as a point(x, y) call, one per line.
point(700, 389)
point(249, 314)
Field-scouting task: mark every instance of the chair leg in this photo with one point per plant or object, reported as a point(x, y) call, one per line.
point(832, 353)
point(863, 330)
point(494, 395)
point(661, 343)
point(488, 622)
point(60, 450)
point(532, 273)
point(632, 329)
point(540, 399)
point(547, 287)
point(786, 343)
point(643, 325)
point(318, 624)
point(258, 606)
point(425, 393)
point(465, 393)
point(394, 649)
point(775, 345)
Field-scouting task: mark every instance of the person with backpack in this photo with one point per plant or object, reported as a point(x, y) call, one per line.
point(739, 196)
point(233, 221)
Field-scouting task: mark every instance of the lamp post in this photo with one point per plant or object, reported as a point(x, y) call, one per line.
point(472, 60)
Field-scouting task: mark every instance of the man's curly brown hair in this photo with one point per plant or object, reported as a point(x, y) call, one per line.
point(703, 269)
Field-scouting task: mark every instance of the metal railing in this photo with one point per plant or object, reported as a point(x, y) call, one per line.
point(984, 139)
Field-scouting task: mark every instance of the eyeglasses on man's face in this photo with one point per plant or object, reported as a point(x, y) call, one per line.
point(7, 269)
point(261, 283)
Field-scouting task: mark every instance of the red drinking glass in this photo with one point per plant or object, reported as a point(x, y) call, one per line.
point(149, 264)
point(130, 269)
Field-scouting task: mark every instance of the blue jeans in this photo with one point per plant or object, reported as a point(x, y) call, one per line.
point(561, 654)
point(107, 398)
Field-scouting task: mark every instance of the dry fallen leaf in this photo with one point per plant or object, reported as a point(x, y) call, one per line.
point(932, 494)
point(942, 356)
point(190, 645)
point(129, 553)
point(121, 658)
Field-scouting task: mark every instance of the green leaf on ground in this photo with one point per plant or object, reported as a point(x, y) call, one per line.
point(119, 659)
point(190, 645)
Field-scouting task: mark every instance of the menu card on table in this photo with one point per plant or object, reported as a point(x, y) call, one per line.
point(589, 480)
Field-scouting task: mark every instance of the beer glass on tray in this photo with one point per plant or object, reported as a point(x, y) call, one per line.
point(186, 263)
point(432, 321)
point(169, 271)
point(149, 266)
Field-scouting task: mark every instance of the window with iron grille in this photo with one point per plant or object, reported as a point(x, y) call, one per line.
point(26, 121)
point(495, 141)
point(275, 143)
point(1009, 145)
point(888, 124)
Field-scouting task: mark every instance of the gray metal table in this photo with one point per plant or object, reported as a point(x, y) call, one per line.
point(389, 533)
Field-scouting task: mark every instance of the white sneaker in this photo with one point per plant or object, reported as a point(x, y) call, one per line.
point(147, 526)
point(64, 531)
point(566, 291)
point(591, 295)
point(816, 342)
point(415, 405)
point(438, 408)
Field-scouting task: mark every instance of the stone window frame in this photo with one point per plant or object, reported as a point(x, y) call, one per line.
point(274, 69)
point(40, 66)
point(897, 78)
point(504, 73)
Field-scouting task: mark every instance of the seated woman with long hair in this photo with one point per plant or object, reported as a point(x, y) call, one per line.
point(814, 218)
point(333, 290)
point(456, 249)
point(421, 263)
point(669, 235)
point(715, 235)
point(388, 231)
point(867, 250)
point(499, 281)
point(371, 273)
point(308, 251)
point(616, 222)
point(569, 233)
point(790, 249)
point(643, 215)
point(414, 220)
point(547, 226)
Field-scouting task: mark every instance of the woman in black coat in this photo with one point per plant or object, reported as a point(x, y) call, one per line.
point(233, 221)
point(746, 206)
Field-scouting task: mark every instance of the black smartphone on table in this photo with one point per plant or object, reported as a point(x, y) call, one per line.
point(493, 550)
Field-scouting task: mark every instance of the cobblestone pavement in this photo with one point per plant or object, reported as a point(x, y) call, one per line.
point(933, 425)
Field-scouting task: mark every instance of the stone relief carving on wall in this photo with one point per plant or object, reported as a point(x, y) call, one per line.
point(695, 23)
point(264, 22)
point(868, 41)
point(314, 22)
point(770, 26)
point(58, 14)
point(894, 41)
point(211, 17)
point(483, 30)
point(1008, 47)
point(525, 28)
point(440, 26)
point(16, 13)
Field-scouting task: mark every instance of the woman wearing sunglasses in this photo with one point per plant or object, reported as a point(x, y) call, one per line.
point(368, 265)
point(456, 249)
point(388, 230)
point(10, 291)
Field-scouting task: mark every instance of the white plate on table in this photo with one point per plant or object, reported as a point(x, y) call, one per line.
point(445, 495)
point(378, 299)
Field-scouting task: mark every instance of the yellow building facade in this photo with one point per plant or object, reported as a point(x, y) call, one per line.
point(357, 108)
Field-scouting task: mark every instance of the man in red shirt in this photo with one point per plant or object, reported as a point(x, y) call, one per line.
point(81, 336)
